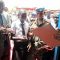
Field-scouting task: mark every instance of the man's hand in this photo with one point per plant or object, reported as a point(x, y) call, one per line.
point(30, 34)
point(29, 46)
point(2, 29)
point(10, 30)
point(45, 47)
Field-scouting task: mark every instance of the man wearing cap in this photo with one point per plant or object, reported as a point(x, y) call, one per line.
point(40, 21)
point(21, 29)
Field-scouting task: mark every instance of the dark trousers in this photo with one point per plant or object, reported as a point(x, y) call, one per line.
point(21, 48)
point(6, 52)
point(48, 55)
point(58, 53)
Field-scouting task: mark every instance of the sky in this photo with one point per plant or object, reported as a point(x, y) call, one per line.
point(48, 4)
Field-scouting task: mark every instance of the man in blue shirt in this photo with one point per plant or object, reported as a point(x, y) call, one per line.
point(3, 24)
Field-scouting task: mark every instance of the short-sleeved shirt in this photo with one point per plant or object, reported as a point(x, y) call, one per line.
point(16, 26)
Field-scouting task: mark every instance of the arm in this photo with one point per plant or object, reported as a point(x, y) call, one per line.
point(30, 35)
point(53, 24)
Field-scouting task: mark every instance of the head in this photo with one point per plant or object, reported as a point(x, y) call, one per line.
point(51, 15)
point(22, 16)
point(5, 9)
point(1, 6)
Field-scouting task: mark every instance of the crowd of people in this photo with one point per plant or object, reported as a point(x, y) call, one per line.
point(21, 24)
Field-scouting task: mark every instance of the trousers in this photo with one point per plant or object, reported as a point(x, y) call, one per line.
point(21, 48)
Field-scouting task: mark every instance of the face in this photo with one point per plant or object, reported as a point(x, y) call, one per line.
point(40, 18)
point(19, 16)
point(39, 15)
point(23, 16)
point(6, 9)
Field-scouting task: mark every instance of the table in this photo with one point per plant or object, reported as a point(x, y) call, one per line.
point(47, 34)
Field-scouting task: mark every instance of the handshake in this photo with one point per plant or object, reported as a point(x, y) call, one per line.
point(2, 29)
point(6, 30)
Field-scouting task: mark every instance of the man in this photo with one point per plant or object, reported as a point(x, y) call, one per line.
point(7, 17)
point(40, 21)
point(21, 28)
point(3, 24)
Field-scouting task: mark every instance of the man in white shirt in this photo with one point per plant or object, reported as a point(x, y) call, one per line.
point(51, 20)
point(21, 29)
point(16, 26)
